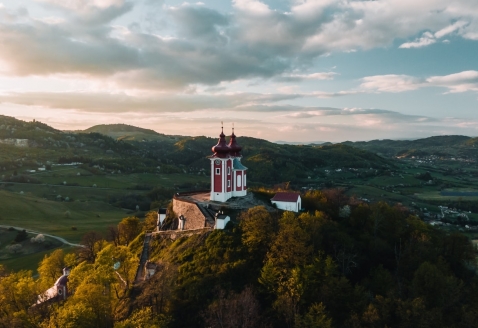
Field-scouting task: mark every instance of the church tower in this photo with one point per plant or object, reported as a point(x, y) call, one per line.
point(228, 175)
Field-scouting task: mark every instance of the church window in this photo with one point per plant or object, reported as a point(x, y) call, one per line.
point(228, 183)
point(239, 182)
point(244, 180)
point(218, 171)
point(228, 171)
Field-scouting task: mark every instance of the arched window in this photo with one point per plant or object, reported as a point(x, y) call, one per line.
point(239, 181)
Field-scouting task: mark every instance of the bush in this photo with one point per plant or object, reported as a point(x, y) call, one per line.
point(21, 236)
point(38, 239)
point(14, 248)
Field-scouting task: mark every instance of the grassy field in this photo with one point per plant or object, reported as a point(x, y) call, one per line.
point(30, 261)
point(57, 218)
point(436, 195)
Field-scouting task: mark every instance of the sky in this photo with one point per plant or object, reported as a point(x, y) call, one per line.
point(289, 70)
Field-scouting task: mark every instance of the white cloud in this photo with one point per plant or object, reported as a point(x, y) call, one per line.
point(390, 83)
point(426, 40)
point(458, 82)
point(450, 29)
point(455, 83)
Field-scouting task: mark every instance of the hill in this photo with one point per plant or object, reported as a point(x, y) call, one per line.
point(439, 146)
point(129, 133)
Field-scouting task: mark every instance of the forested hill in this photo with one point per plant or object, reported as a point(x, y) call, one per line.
point(441, 146)
point(341, 263)
point(140, 150)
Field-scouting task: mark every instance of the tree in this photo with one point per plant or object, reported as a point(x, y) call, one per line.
point(51, 268)
point(112, 234)
point(158, 290)
point(128, 229)
point(21, 236)
point(258, 229)
point(18, 292)
point(92, 244)
point(291, 247)
point(316, 317)
point(150, 221)
point(14, 248)
point(235, 310)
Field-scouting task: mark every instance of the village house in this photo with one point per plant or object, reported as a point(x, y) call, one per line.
point(287, 201)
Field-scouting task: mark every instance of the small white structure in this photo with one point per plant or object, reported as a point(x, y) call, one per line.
point(161, 217)
point(59, 291)
point(287, 201)
point(182, 220)
point(221, 221)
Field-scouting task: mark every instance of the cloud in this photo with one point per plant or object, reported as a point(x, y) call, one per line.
point(455, 83)
point(97, 102)
point(390, 83)
point(305, 77)
point(429, 38)
point(373, 115)
point(426, 40)
point(195, 44)
point(458, 82)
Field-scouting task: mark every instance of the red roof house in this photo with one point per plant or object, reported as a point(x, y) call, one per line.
point(287, 201)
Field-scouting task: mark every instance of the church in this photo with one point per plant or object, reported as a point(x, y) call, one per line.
point(202, 209)
point(228, 175)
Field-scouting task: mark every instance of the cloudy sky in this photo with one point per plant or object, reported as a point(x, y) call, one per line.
point(293, 70)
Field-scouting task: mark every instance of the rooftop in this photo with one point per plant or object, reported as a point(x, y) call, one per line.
point(286, 197)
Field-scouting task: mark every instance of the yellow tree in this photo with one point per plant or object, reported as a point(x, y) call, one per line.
point(51, 268)
point(18, 292)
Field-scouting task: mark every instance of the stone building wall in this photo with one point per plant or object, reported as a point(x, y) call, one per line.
point(195, 219)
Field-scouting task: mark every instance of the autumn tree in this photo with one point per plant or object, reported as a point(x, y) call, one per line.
point(128, 229)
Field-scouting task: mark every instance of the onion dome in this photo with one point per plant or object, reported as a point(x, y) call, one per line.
point(234, 147)
point(221, 149)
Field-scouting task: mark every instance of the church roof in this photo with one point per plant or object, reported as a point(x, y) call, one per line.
point(237, 165)
point(286, 197)
point(221, 149)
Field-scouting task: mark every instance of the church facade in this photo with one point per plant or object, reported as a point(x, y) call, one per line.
point(228, 175)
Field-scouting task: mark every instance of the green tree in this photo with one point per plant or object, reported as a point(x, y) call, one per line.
point(258, 229)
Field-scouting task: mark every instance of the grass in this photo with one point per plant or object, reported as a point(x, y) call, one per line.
point(57, 218)
point(7, 237)
point(30, 261)
point(435, 195)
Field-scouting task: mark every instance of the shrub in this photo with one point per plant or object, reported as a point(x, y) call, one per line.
point(21, 236)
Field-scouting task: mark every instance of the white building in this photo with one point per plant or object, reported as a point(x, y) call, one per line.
point(287, 201)
point(161, 217)
point(221, 221)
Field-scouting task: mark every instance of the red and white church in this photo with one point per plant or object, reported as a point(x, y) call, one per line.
point(228, 175)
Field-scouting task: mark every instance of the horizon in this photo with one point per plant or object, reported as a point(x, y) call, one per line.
point(317, 142)
point(298, 70)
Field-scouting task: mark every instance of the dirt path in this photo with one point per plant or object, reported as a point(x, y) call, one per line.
point(64, 241)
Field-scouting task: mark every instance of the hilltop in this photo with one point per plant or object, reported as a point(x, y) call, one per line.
point(129, 133)
point(440, 146)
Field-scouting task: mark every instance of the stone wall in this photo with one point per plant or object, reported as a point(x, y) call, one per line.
point(195, 219)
